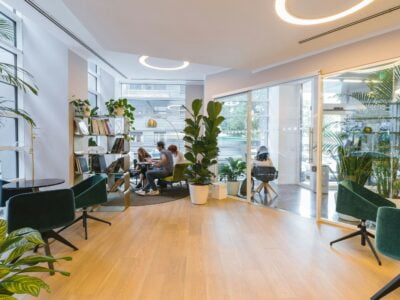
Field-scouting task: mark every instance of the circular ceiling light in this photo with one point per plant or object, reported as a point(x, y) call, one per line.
point(284, 14)
point(143, 61)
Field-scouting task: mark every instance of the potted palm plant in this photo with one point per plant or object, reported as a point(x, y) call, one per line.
point(201, 134)
point(231, 172)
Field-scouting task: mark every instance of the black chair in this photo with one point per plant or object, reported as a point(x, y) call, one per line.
point(265, 174)
point(90, 192)
point(7, 194)
point(43, 211)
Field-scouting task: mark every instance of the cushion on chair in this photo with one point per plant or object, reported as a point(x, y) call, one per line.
point(178, 173)
point(42, 211)
point(359, 202)
point(91, 191)
point(387, 236)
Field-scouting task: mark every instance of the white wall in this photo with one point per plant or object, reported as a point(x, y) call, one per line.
point(107, 89)
point(47, 59)
point(383, 47)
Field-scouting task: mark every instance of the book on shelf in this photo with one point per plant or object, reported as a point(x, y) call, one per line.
point(81, 126)
point(99, 163)
point(102, 127)
point(81, 165)
point(118, 146)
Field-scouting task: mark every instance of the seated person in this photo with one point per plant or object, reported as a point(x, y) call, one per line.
point(176, 155)
point(162, 168)
point(143, 156)
point(262, 158)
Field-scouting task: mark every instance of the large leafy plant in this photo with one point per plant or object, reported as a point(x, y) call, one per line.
point(201, 134)
point(233, 169)
point(15, 266)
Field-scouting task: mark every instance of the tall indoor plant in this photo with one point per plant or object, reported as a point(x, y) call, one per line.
point(201, 134)
point(231, 171)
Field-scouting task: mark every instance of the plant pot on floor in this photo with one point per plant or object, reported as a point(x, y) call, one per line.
point(233, 187)
point(199, 193)
point(119, 111)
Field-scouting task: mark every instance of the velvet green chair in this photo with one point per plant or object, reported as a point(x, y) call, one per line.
point(388, 243)
point(89, 192)
point(357, 201)
point(43, 211)
point(178, 174)
point(7, 194)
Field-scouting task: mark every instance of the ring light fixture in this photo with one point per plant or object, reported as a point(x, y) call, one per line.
point(143, 61)
point(284, 14)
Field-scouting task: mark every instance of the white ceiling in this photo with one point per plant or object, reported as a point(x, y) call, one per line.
point(228, 33)
point(213, 35)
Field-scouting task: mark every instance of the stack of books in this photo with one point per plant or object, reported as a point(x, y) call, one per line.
point(102, 127)
point(118, 146)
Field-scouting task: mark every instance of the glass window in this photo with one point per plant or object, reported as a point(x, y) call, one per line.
point(8, 32)
point(8, 164)
point(361, 133)
point(92, 82)
point(92, 67)
point(8, 132)
point(92, 99)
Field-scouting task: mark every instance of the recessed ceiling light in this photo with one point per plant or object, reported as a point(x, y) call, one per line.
point(284, 14)
point(143, 61)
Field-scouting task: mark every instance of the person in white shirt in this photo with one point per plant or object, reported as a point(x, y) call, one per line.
point(176, 155)
point(262, 158)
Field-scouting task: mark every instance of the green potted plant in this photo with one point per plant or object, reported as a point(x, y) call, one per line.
point(120, 107)
point(15, 266)
point(201, 134)
point(231, 172)
point(82, 107)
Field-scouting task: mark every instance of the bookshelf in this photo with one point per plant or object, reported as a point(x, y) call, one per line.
point(101, 144)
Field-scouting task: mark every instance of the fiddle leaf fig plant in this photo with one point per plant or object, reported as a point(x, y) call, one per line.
point(15, 266)
point(201, 137)
point(122, 104)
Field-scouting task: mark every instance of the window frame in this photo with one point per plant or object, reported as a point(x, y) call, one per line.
point(16, 51)
point(96, 75)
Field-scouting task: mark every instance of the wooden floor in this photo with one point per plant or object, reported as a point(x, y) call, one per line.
point(224, 250)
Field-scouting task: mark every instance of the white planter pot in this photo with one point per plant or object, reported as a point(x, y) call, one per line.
point(233, 187)
point(199, 193)
point(119, 111)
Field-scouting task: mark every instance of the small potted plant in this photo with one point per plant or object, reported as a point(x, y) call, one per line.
point(82, 107)
point(231, 172)
point(202, 147)
point(121, 108)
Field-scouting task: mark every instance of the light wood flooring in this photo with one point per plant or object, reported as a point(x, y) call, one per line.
point(223, 250)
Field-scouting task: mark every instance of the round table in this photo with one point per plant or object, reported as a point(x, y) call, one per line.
point(32, 184)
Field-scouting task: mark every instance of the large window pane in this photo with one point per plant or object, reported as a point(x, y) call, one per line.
point(92, 82)
point(8, 132)
point(92, 100)
point(8, 30)
point(361, 132)
point(8, 163)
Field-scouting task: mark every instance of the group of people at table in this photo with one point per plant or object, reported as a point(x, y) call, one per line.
point(149, 169)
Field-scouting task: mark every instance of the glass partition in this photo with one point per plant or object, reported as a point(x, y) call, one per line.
point(361, 133)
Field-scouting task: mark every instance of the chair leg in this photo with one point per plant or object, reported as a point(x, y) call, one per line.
point(56, 236)
point(48, 253)
point(75, 221)
point(349, 236)
point(97, 219)
point(390, 287)
point(364, 239)
point(84, 223)
point(372, 249)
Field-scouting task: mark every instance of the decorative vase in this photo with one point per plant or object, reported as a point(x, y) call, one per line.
point(233, 187)
point(119, 111)
point(86, 111)
point(199, 193)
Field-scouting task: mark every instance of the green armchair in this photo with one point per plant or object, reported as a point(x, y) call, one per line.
point(89, 192)
point(388, 243)
point(357, 201)
point(178, 174)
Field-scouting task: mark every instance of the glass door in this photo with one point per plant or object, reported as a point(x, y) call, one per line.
point(361, 133)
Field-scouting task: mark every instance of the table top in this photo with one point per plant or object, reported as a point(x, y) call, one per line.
point(37, 183)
